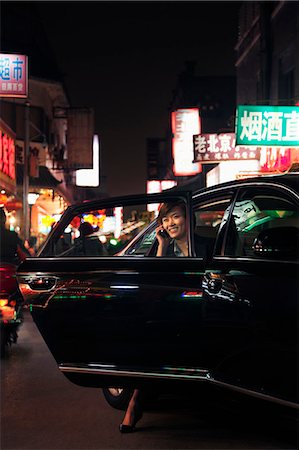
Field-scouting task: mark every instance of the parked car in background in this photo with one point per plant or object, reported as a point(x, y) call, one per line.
point(132, 319)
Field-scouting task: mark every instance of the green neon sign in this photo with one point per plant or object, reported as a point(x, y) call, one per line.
point(267, 125)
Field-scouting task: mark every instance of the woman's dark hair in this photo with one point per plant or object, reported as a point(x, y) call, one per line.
point(167, 207)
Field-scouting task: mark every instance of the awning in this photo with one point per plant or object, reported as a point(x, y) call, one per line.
point(45, 180)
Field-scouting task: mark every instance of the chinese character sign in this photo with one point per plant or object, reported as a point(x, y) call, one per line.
point(7, 156)
point(211, 148)
point(185, 123)
point(13, 75)
point(267, 125)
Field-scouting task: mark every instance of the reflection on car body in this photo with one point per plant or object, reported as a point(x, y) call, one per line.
point(132, 319)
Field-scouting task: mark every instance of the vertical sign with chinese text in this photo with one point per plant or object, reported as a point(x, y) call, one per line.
point(13, 75)
point(185, 123)
point(267, 125)
point(7, 158)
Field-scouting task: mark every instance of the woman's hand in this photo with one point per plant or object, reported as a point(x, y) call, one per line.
point(163, 240)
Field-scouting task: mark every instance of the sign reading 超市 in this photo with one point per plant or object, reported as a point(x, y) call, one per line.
point(267, 125)
point(13, 75)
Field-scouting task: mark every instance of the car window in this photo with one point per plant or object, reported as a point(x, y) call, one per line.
point(143, 245)
point(255, 212)
point(101, 232)
point(128, 230)
point(209, 217)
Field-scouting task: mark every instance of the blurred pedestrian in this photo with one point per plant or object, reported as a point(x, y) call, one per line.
point(12, 249)
point(88, 244)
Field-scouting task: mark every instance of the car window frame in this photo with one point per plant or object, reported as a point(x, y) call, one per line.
point(47, 250)
point(138, 238)
point(223, 228)
point(286, 191)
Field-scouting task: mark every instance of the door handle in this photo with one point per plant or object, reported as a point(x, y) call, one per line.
point(41, 283)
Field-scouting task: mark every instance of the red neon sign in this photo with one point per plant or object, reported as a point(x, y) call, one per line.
point(276, 159)
point(7, 155)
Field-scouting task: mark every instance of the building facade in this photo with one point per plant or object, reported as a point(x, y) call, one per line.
point(45, 133)
point(267, 60)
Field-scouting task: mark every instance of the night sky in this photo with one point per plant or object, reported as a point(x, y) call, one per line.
point(123, 59)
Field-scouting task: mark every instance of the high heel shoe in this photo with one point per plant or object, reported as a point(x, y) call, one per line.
point(126, 428)
point(130, 428)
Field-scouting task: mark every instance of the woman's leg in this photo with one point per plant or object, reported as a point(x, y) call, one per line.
point(133, 412)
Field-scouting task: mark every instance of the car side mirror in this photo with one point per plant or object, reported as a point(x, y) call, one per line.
point(278, 243)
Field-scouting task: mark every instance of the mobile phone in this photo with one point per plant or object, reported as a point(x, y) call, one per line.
point(163, 233)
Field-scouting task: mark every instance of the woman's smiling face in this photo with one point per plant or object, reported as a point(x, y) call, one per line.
point(175, 223)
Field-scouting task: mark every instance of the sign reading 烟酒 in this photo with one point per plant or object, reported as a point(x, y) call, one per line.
point(267, 125)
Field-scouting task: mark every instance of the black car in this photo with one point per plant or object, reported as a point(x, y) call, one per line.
point(126, 318)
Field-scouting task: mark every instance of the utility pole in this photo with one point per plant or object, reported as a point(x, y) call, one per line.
point(26, 230)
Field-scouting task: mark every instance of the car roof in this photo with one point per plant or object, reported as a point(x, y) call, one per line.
point(290, 180)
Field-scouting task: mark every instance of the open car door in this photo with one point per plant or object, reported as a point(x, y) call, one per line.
point(117, 317)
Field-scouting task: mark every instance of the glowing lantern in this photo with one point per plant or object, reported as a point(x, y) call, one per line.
point(3, 199)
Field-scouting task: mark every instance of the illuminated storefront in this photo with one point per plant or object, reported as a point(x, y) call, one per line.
point(49, 202)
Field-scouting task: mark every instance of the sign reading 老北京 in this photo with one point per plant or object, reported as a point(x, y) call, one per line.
point(13, 75)
point(211, 148)
point(267, 125)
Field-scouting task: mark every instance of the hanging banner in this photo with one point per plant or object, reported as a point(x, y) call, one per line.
point(214, 148)
point(267, 125)
point(13, 75)
point(80, 130)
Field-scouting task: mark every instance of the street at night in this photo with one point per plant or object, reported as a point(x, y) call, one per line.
point(149, 224)
point(44, 411)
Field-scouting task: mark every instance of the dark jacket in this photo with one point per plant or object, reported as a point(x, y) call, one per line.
point(9, 245)
point(203, 247)
point(89, 246)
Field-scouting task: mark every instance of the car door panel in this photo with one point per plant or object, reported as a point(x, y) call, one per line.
point(139, 312)
point(260, 282)
point(267, 344)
